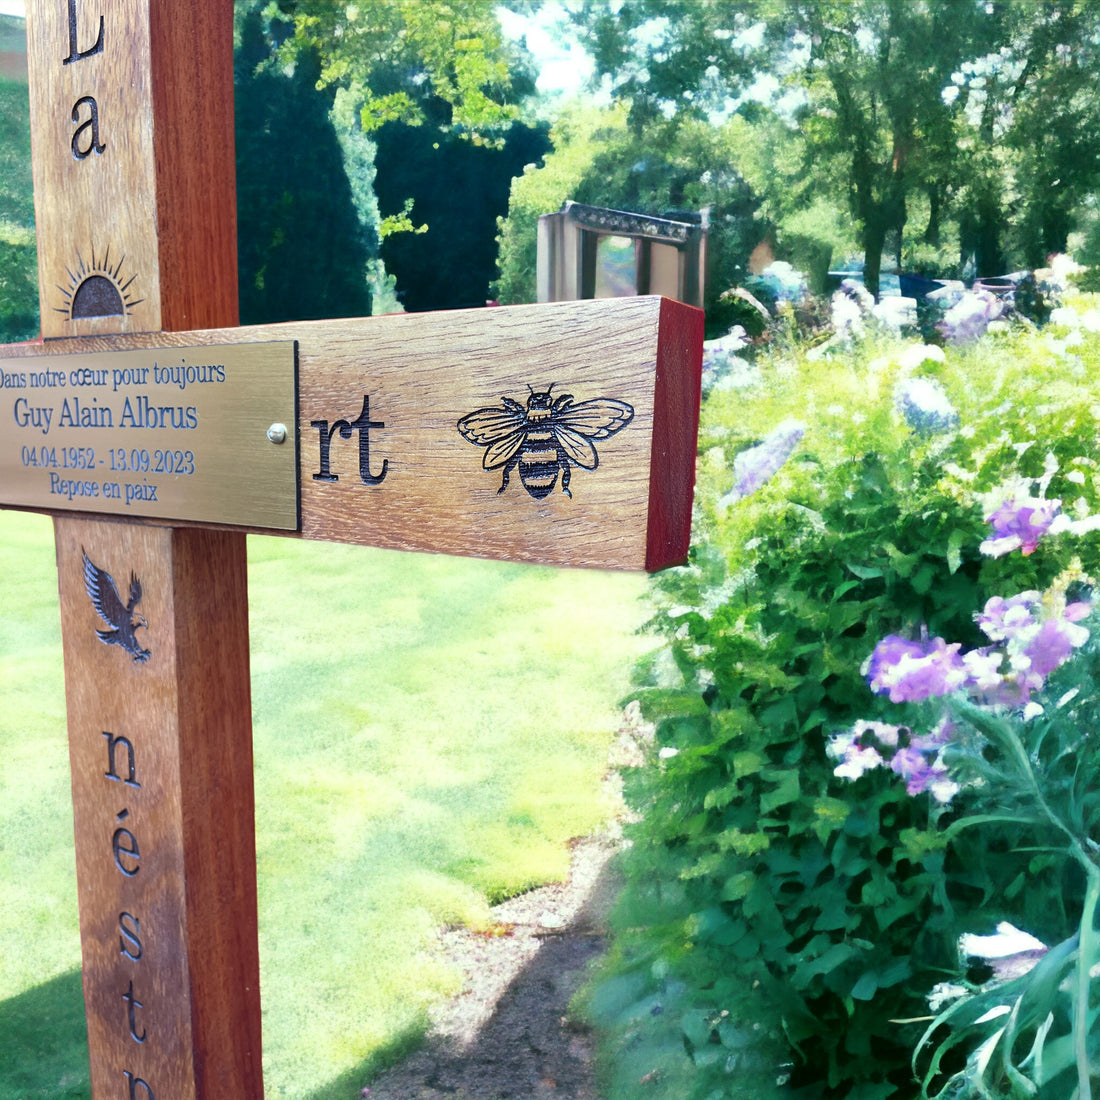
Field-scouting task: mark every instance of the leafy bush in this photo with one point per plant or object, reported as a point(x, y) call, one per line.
point(18, 255)
point(782, 927)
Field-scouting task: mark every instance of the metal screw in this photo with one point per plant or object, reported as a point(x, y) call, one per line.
point(277, 433)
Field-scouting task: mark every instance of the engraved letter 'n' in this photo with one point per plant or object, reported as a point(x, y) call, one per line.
point(75, 53)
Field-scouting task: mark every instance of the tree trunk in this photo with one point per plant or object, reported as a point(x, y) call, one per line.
point(988, 257)
point(932, 230)
point(1056, 226)
point(874, 241)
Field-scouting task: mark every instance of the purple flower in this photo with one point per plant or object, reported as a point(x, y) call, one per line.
point(1034, 644)
point(921, 774)
point(1019, 524)
point(919, 763)
point(936, 738)
point(910, 671)
point(909, 762)
point(757, 465)
point(1004, 619)
point(1054, 643)
point(969, 317)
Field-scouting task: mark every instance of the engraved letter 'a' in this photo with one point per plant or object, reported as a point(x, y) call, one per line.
point(122, 618)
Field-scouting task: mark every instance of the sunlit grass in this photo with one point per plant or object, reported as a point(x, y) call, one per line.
point(429, 732)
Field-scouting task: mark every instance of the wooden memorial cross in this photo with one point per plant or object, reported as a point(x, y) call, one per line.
point(157, 434)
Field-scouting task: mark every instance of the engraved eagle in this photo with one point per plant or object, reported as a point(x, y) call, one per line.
point(125, 621)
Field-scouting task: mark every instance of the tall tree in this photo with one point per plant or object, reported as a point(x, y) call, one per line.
point(1028, 122)
point(862, 77)
point(989, 105)
point(457, 191)
point(438, 86)
point(303, 250)
point(18, 263)
point(661, 170)
point(443, 63)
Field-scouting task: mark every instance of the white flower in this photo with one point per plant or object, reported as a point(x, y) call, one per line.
point(983, 668)
point(1007, 940)
point(1065, 315)
point(917, 355)
point(667, 752)
point(941, 993)
point(970, 316)
point(1075, 526)
point(943, 790)
point(924, 404)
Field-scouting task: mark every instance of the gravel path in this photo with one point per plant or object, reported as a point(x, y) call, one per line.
point(508, 1034)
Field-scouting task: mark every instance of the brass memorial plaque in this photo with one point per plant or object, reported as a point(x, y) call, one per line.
point(203, 433)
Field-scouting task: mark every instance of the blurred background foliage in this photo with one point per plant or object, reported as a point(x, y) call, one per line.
point(382, 146)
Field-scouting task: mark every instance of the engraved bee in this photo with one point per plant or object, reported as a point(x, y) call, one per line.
point(545, 439)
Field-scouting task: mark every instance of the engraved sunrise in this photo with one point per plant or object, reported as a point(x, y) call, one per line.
point(97, 289)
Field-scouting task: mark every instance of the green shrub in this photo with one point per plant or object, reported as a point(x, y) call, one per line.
point(18, 255)
point(781, 927)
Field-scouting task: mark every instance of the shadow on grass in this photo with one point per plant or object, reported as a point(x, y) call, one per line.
point(44, 1046)
point(533, 1042)
point(349, 1084)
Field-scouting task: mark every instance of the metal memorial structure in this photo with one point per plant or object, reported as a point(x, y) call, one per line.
point(593, 252)
point(157, 433)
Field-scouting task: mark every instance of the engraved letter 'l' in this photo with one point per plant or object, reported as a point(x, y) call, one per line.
point(75, 53)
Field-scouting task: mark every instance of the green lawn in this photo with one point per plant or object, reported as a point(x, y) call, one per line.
point(429, 732)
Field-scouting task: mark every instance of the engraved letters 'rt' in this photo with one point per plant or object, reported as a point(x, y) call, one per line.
point(85, 113)
point(361, 424)
point(544, 439)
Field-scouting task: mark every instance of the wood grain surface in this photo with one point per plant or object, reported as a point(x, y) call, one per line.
point(93, 154)
point(133, 163)
point(132, 138)
point(165, 849)
point(132, 131)
point(422, 373)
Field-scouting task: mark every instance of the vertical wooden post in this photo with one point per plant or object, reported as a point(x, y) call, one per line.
point(162, 785)
point(132, 137)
